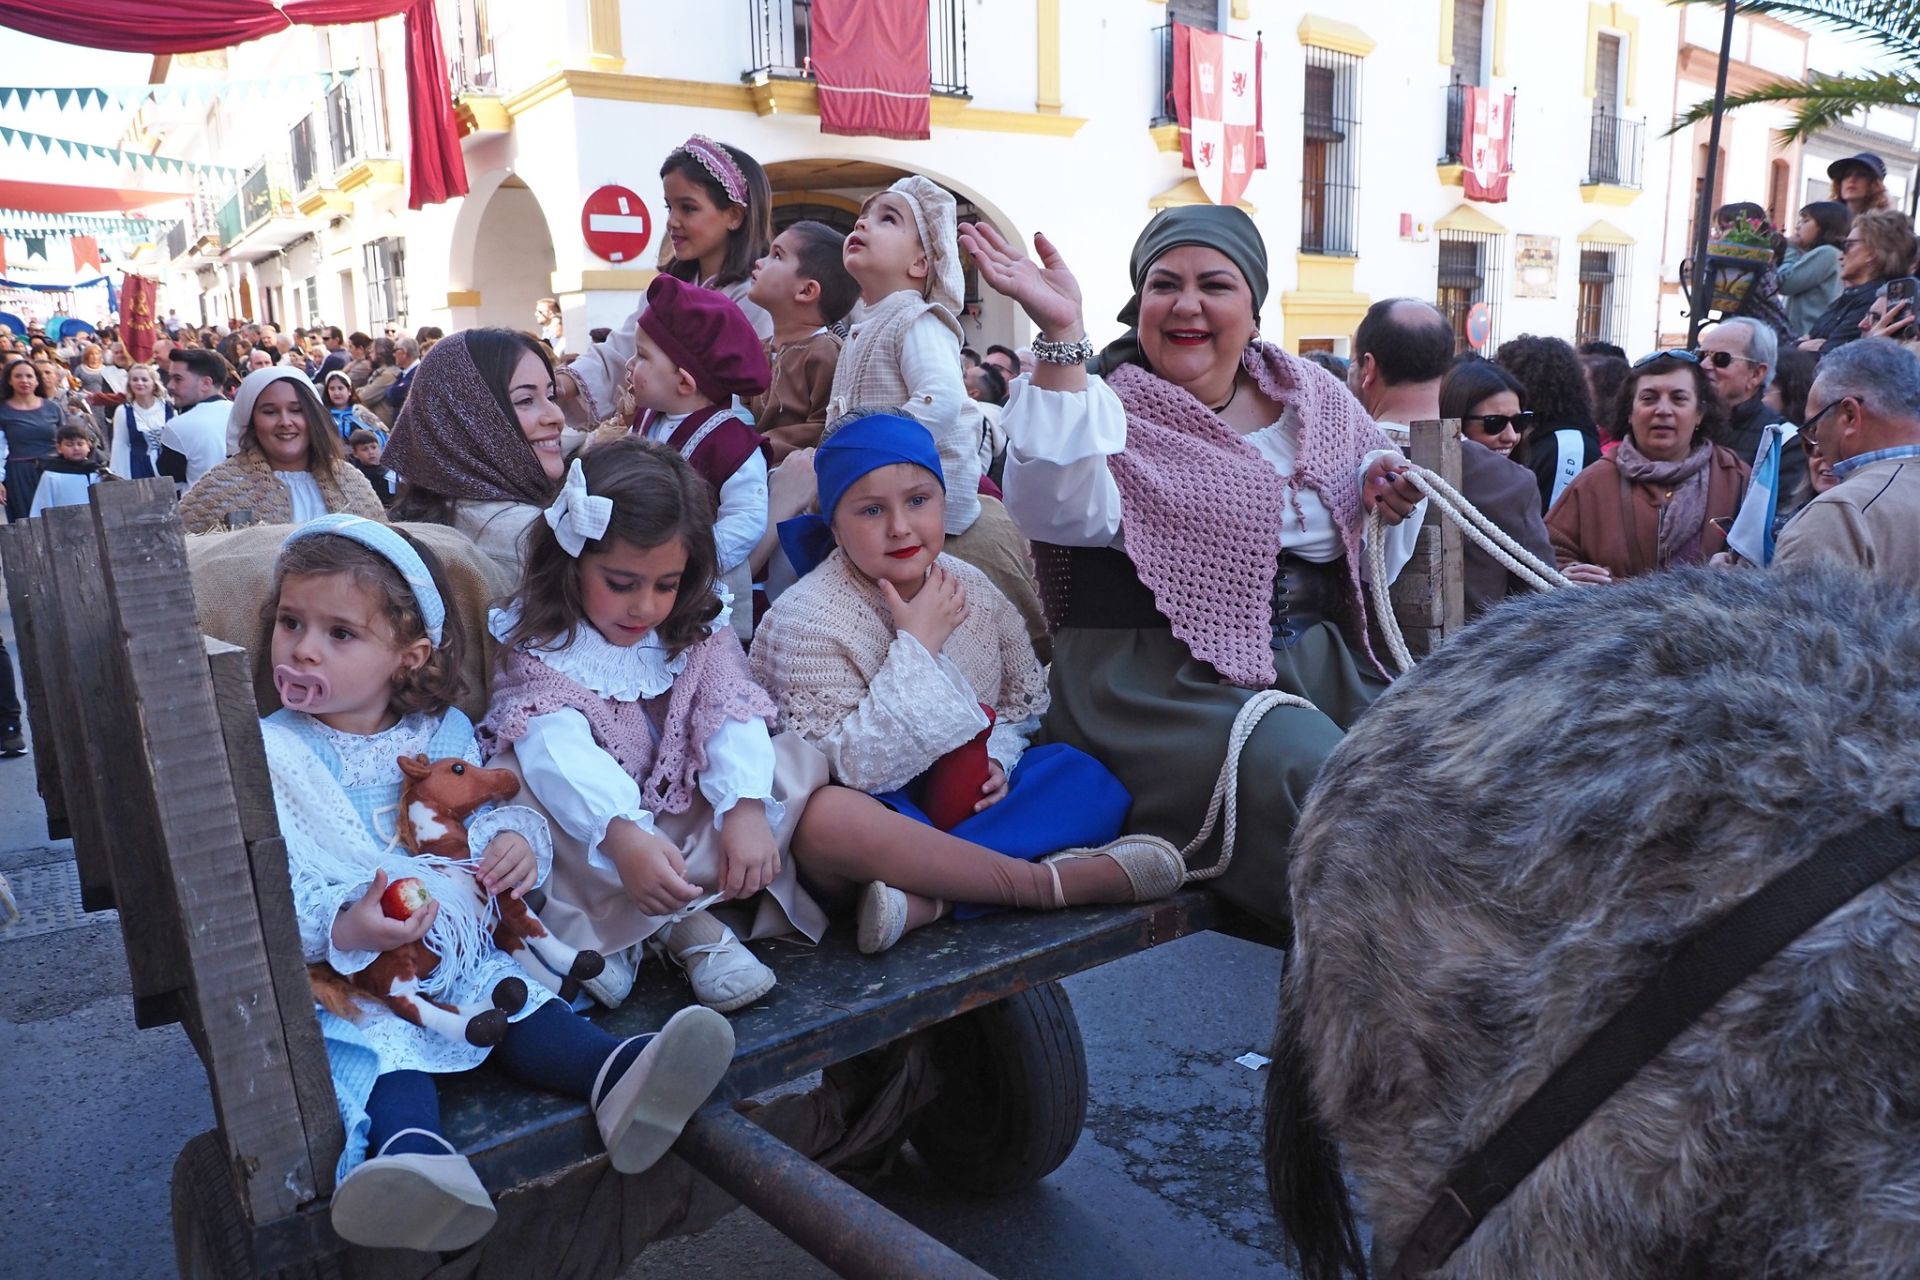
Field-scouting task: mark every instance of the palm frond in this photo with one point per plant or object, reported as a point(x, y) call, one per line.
point(1892, 26)
point(1820, 102)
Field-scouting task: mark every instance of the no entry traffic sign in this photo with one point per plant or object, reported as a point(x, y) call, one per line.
point(615, 224)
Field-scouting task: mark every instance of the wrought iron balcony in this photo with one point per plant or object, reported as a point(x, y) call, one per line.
point(1451, 144)
point(1614, 150)
point(782, 43)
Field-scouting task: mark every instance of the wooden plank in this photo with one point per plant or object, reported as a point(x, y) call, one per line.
point(1429, 599)
point(233, 995)
point(64, 730)
point(273, 892)
point(22, 552)
point(107, 793)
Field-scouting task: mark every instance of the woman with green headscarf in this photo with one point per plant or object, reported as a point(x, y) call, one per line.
point(1197, 511)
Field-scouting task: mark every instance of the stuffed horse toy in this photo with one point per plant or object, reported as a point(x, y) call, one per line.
point(435, 800)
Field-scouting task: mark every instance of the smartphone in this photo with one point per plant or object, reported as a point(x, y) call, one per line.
point(1723, 523)
point(1902, 289)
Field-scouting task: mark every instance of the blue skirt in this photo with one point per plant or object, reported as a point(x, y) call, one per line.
point(1058, 797)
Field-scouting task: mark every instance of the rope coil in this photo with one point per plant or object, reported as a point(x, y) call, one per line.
point(1491, 538)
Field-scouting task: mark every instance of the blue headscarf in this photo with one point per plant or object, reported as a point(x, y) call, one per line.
point(859, 448)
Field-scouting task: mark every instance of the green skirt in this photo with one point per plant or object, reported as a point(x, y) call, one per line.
point(1136, 700)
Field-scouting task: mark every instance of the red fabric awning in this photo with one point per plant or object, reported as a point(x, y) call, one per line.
point(870, 67)
point(55, 197)
point(436, 171)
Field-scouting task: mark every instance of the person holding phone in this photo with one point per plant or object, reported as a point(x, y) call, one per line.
point(1879, 247)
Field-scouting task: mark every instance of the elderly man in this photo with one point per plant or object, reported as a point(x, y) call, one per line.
point(1739, 356)
point(406, 353)
point(1864, 414)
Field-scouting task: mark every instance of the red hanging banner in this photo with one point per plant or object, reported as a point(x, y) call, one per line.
point(1218, 102)
point(1486, 147)
point(138, 323)
point(86, 252)
point(870, 66)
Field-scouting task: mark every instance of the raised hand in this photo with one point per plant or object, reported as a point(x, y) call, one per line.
point(935, 612)
point(1045, 290)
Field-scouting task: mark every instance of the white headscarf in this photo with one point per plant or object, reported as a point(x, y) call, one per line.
point(251, 387)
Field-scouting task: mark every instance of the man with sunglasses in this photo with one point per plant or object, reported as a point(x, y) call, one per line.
point(1738, 355)
point(1864, 415)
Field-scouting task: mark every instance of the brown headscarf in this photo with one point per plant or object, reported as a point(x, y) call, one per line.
point(453, 439)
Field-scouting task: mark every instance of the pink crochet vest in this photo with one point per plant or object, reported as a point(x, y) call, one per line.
point(661, 742)
point(1202, 508)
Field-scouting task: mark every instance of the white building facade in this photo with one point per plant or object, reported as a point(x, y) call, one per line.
point(1048, 115)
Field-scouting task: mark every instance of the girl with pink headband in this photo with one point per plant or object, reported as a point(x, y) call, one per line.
point(719, 222)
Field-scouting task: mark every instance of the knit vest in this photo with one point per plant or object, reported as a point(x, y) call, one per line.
point(868, 374)
point(661, 742)
point(246, 482)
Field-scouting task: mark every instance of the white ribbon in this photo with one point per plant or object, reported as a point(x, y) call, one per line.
point(576, 516)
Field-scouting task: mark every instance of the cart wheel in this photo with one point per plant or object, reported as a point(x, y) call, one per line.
point(212, 1239)
point(1014, 1093)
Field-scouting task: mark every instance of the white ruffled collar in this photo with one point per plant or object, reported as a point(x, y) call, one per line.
point(625, 673)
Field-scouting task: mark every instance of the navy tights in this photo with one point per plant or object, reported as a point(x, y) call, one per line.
point(551, 1048)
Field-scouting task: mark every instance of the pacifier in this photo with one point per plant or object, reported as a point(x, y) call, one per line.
point(299, 689)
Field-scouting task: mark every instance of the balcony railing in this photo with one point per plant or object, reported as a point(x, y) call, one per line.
point(471, 66)
point(227, 221)
point(1614, 150)
point(1450, 145)
point(1163, 108)
point(782, 43)
point(303, 141)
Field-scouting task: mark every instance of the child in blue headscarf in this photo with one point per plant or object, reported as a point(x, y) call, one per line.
point(913, 674)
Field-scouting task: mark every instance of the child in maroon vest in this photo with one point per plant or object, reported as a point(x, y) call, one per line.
point(693, 353)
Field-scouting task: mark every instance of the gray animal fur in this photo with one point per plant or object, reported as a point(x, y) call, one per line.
point(1496, 855)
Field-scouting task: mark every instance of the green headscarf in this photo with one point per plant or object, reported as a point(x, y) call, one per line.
point(1222, 227)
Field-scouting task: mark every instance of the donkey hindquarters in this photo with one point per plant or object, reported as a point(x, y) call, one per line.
point(1502, 850)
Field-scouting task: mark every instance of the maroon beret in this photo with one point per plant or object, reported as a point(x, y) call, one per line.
point(704, 332)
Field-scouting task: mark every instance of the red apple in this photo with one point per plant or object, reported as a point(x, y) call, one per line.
point(404, 899)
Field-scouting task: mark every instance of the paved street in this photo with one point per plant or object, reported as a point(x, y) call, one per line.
point(1165, 1181)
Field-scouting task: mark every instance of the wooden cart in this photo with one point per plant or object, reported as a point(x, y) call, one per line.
point(148, 754)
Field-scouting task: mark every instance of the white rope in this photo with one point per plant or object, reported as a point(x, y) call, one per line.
point(1226, 788)
point(1490, 537)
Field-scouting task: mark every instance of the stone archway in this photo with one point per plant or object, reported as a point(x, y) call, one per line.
point(502, 256)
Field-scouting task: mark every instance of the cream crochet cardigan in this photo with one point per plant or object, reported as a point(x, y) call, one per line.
point(875, 702)
point(245, 482)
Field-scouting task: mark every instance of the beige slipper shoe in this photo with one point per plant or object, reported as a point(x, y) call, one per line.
point(1154, 867)
point(643, 1112)
point(412, 1201)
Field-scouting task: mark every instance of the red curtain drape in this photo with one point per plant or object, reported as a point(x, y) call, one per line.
point(437, 170)
point(870, 67)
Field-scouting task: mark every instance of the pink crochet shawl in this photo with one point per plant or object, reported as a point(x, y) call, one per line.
point(714, 687)
point(1202, 507)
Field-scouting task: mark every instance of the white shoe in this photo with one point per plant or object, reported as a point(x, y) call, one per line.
point(644, 1111)
point(725, 975)
point(615, 981)
point(882, 919)
point(412, 1201)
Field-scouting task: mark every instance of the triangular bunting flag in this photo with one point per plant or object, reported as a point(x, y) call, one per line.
point(86, 252)
point(36, 247)
point(61, 97)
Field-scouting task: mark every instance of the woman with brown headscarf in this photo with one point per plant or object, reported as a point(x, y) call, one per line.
point(477, 444)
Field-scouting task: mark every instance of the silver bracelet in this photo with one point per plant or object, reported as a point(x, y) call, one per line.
point(1050, 352)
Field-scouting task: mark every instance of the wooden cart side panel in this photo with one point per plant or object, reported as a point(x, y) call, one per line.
point(109, 797)
point(1429, 596)
point(21, 551)
point(273, 891)
point(197, 818)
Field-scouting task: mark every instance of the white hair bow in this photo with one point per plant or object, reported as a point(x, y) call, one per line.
point(576, 516)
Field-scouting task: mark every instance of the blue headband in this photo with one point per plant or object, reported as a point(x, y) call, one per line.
point(858, 449)
point(391, 547)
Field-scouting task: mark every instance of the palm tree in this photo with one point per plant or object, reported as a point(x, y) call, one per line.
point(1890, 26)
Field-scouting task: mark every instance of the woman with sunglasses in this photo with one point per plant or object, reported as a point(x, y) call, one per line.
point(1489, 402)
point(1652, 504)
point(1879, 246)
